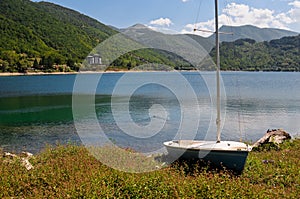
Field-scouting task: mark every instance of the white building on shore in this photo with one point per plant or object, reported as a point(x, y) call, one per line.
point(94, 59)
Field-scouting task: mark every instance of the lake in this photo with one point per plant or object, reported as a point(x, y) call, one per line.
point(142, 110)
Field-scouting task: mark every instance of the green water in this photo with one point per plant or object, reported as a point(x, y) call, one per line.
point(29, 110)
point(37, 110)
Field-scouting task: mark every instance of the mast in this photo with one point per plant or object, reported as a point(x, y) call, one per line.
point(218, 120)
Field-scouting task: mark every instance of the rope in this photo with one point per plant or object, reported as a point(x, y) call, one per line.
point(240, 116)
point(198, 14)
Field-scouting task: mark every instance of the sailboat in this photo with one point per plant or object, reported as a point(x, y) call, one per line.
point(229, 154)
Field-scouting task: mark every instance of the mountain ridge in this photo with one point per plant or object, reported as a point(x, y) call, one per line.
point(239, 32)
point(254, 32)
point(46, 36)
point(47, 33)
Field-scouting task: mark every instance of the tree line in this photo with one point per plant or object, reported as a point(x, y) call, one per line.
point(248, 55)
point(41, 36)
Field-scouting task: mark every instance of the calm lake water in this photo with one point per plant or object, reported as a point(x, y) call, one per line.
point(141, 110)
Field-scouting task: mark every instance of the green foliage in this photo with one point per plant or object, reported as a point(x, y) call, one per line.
point(32, 30)
point(271, 146)
point(153, 59)
point(240, 55)
point(267, 147)
point(276, 55)
point(71, 172)
point(59, 39)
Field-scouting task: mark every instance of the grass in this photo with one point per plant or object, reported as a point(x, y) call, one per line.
point(70, 172)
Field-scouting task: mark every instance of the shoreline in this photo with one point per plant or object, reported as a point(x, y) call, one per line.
point(67, 170)
point(75, 73)
point(35, 73)
point(7, 74)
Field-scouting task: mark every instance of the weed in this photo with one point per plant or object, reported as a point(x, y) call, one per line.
point(71, 172)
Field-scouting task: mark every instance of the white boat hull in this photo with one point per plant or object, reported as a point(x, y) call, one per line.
point(229, 154)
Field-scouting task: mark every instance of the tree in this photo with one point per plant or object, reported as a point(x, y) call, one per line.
point(4, 66)
point(35, 64)
point(22, 66)
point(46, 63)
point(70, 63)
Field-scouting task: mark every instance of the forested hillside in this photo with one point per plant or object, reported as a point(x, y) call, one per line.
point(241, 55)
point(42, 35)
point(246, 54)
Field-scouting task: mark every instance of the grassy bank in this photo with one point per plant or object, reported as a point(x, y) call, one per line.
point(69, 172)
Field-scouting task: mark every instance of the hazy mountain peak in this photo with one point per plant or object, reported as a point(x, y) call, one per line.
point(139, 26)
point(253, 32)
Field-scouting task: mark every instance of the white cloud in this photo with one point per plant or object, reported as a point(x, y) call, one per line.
point(162, 25)
point(207, 28)
point(184, 1)
point(240, 14)
point(209, 25)
point(296, 4)
point(294, 13)
point(163, 30)
point(162, 22)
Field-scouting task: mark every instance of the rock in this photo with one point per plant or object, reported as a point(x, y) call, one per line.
point(27, 154)
point(268, 161)
point(25, 162)
point(24, 159)
point(9, 155)
point(275, 136)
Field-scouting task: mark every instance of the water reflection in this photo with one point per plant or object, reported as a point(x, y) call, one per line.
point(32, 117)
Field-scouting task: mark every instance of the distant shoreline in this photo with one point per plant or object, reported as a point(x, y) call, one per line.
point(59, 73)
point(37, 73)
point(5, 74)
point(81, 72)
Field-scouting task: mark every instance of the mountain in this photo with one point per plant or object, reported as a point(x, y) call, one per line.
point(252, 32)
point(238, 32)
point(253, 48)
point(155, 50)
point(45, 36)
point(33, 32)
point(247, 54)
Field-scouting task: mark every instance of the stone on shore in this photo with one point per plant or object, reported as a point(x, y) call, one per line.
point(23, 158)
point(275, 136)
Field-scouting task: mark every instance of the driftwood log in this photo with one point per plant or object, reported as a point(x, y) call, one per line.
point(276, 136)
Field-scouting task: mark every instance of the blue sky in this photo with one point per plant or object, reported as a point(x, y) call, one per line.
point(179, 16)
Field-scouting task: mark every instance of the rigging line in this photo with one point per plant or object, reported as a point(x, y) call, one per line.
point(230, 22)
point(239, 97)
point(198, 14)
point(240, 116)
point(225, 4)
point(228, 19)
point(209, 31)
point(239, 101)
